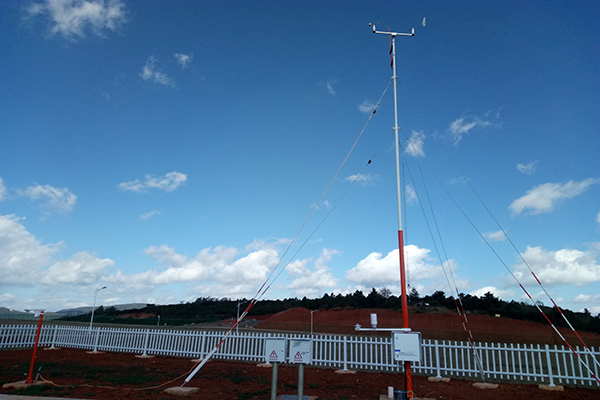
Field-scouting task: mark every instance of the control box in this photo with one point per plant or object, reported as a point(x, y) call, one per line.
point(301, 351)
point(407, 346)
point(275, 350)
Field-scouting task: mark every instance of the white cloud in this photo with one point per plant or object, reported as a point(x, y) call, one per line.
point(150, 72)
point(587, 298)
point(366, 107)
point(466, 123)
point(566, 266)
point(363, 179)
point(329, 86)
point(598, 217)
point(149, 215)
point(52, 199)
point(22, 257)
point(220, 265)
point(500, 293)
point(541, 198)
point(6, 298)
point(81, 269)
point(2, 190)
point(497, 236)
point(415, 144)
point(375, 271)
point(528, 169)
point(411, 195)
point(169, 182)
point(71, 18)
point(183, 59)
point(312, 283)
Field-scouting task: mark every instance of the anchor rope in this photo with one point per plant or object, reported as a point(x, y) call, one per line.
point(445, 261)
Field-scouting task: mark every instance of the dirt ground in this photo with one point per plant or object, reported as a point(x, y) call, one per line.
point(78, 374)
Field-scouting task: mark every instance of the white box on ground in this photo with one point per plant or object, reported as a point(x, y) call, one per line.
point(275, 350)
point(407, 346)
point(301, 351)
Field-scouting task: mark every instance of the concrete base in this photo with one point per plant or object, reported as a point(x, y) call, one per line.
point(264, 365)
point(181, 390)
point(51, 348)
point(555, 388)
point(341, 371)
point(22, 384)
point(144, 356)
point(436, 379)
point(485, 385)
point(95, 352)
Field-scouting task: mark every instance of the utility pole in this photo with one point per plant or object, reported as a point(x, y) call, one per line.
point(407, 365)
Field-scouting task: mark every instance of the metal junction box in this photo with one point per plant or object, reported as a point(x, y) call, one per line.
point(407, 346)
point(275, 350)
point(301, 351)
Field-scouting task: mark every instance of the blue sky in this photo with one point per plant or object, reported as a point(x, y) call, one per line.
point(172, 150)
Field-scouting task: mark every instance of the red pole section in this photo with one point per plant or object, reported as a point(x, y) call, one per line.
point(407, 368)
point(37, 340)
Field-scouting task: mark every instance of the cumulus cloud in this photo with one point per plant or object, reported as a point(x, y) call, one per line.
point(376, 270)
point(566, 266)
point(587, 298)
point(463, 125)
point(497, 236)
point(363, 179)
point(366, 107)
point(222, 265)
point(411, 195)
point(51, 199)
point(183, 59)
point(22, 256)
point(415, 144)
point(169, 182)
point(71, 18)
point(2, 190)
point(528, 169)
point(542, 198)
point(151, 73)
point(312, 283)
point(81, 269)
point(500, 293)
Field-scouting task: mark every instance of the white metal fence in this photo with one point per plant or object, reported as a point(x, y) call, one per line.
point(515, 362)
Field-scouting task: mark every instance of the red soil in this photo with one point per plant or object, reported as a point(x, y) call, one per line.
point(122, 376)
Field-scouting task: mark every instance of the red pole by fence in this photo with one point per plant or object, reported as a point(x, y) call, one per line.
point(37, 340)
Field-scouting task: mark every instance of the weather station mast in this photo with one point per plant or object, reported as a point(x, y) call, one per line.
point(407, 364)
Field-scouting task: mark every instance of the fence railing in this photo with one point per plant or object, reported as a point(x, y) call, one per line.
point(516, 362)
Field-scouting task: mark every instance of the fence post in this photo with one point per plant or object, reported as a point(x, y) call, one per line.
point(437, 359)
point(97, 340)
point(145, 354)
point(549, 361)
point(345, 344)
point(202, 341)
point(54, 337)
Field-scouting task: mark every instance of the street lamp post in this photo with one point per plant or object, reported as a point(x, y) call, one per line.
point(238, 314)
point(94, 306)
point(311, 322)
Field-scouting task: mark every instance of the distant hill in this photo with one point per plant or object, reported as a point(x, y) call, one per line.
point(86, 310)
